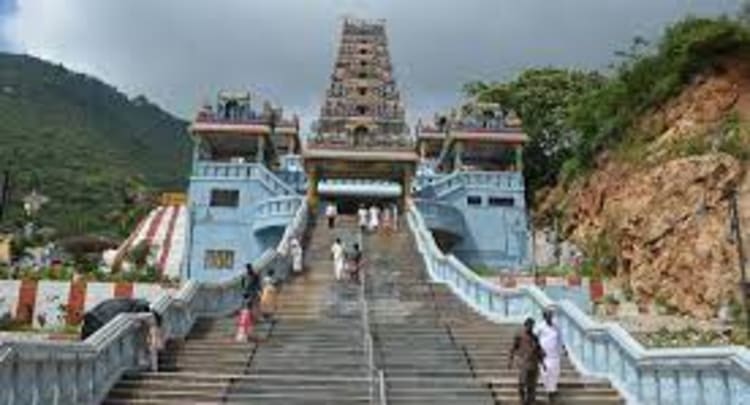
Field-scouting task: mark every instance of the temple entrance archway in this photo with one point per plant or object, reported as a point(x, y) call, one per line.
point(360, 175)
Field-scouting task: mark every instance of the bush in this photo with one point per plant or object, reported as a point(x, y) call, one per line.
point(571, 169)
point(647, 77)
point(611, 299)
point(483, 271)
point(603, 252)
point(588, 269)
point(555, 270)
point(138, 254)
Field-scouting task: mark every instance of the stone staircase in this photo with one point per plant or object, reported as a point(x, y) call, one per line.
point(435, 349)
point(431, 347)
point(311, 354)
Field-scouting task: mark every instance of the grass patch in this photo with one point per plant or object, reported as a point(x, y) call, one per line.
point(484, 271)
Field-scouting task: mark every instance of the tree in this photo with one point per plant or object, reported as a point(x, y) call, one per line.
point(85, 250)
point(542, 98)
point(743, 15)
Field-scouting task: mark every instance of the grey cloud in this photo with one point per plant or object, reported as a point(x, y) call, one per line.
point(178, 52)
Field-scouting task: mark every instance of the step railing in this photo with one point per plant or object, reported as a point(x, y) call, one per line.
point(439, 188)
point(442, 216)
point(373, 372)
point(674, 376)
point(275, 211)
point(56, 373)
point(252, 171)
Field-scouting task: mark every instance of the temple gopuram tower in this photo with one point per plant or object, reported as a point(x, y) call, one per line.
point(362, 99)
point(361, 136)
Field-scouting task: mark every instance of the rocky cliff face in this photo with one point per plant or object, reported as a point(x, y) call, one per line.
point(660, 205)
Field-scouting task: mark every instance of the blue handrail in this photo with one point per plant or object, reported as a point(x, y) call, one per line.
point(679, 376)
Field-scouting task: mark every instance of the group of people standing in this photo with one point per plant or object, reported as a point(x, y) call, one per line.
point(260, 296)
point(368, 219)
point(538, 348)
point(375, 218)
point(346, 263)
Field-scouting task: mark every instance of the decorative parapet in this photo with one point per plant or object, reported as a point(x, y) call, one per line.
point(444, 217)
point(275, 212)
point(242, 171)
point(83, 372)
point(440, 187)
point(370, 142)
point(643, 376)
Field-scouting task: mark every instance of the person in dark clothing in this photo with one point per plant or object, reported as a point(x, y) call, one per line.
point(531, 356)
point(251, 285)
point(355, 261)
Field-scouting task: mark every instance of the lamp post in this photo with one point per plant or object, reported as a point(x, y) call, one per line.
point(737, 233)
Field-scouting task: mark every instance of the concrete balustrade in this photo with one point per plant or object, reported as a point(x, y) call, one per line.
point(440, 187)
point(296, 179)
point(275, 212)
point(252, 171)
point(83, 372)
point(442, 216)
point(681, 376)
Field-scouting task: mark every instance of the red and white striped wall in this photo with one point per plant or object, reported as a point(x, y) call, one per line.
point(164, 228)
point(52, 304)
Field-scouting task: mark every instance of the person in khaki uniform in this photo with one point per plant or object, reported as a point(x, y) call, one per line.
point(530, 355)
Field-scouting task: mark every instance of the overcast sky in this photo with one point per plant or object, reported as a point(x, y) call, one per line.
point(180, 52)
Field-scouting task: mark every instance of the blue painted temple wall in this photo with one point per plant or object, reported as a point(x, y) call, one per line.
point(224, 228)
point(494, 235)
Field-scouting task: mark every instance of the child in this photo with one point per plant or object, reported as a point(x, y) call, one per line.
point(268, 296)
point(245, 323)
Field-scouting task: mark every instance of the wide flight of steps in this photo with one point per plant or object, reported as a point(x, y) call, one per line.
point(311, 354)
point(435, 349)
point(432, 348)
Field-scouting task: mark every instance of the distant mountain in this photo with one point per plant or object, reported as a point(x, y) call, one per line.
point(83, 144)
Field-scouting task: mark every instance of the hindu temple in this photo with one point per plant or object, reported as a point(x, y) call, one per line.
point(423, 319)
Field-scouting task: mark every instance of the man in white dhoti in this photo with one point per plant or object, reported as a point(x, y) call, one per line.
point(362, 217)
point(337, 252)
point(374, 218)
point(331, 212)
point(296, 252)
point(550, 339)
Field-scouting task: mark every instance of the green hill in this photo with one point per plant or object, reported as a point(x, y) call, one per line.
point(83, 144)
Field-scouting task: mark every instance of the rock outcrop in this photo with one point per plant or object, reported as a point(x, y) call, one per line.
point(666, 213)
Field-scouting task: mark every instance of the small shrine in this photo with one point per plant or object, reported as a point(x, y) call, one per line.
point(474, 137)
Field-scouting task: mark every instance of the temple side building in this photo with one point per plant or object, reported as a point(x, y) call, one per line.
point(470, 185)
point(238, 207)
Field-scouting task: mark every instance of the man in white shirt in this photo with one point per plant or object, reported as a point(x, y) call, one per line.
point(374, 218)
point(337, 252)
point(550, 339)
point(331, 212)
point(362, 217)
point(296, 252)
